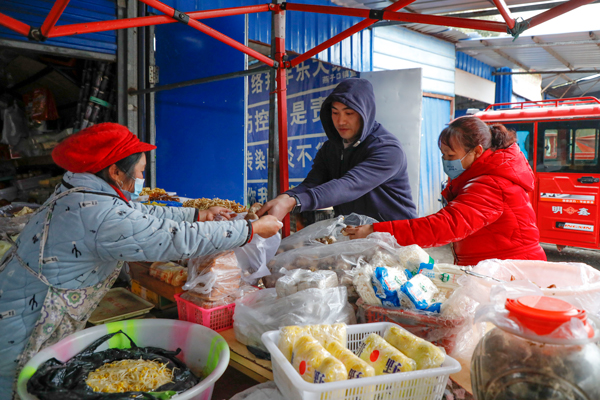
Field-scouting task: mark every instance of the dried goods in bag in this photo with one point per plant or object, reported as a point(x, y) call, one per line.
point(67, 380)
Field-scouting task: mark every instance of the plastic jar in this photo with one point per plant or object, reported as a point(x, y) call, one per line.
point(530, 359)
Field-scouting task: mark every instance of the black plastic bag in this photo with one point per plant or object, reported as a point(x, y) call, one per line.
point(66, 381)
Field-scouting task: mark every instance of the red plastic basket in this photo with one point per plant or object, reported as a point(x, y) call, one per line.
point(440, 331)
point(218, 318)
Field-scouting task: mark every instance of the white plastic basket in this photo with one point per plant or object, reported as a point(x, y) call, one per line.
point(426, 384)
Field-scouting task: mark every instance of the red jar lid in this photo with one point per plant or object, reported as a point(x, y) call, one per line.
point(542, 314)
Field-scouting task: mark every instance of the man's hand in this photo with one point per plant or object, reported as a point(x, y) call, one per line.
point(266, 226)
point(358, 232)
point(279, 207)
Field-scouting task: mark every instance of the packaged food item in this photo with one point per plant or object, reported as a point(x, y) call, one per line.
point(314, 363)
point(356, 367)
point(387, 283)
point(322, 333)
point(251, 216)
point(444, 276)
point(421, 291)
point(214, 277)
point(169, 272)
point(384, 357)
point(300, 279)
point(363, 283)
point(426, 354)
point(412, 256)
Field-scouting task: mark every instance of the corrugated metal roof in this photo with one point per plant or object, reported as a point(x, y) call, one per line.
point(33, 13)
point(435, 6)
point(577, 49)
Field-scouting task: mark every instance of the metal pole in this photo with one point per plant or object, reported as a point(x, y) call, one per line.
point(182, 17)
point(279, 33)
point(556, 11)
point(15, 25)
point(53, 16)
point(505, 12)
point(101, 26)
point(273, 152)
point(198, 81)
point(345, 34)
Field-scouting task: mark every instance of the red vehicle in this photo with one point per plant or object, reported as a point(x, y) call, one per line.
point(561, 140)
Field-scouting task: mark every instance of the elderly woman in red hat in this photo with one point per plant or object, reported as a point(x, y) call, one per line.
point(71, 251)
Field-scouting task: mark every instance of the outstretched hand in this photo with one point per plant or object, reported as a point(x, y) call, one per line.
point(358, 232)
point(279, 207)
point(266, 226)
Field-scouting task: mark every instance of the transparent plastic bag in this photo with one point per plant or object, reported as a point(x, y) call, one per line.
point(301, 279)
point(307, 235)
point(340, 257)
point(15, 126)
point(11, 224)
point(262, 311)
point(253, 257)
point(214, 277)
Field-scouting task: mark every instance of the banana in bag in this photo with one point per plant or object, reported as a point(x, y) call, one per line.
point(322, 333)
point(384, 357)
point(314, 363)
point(426, 354)
point(356, 367)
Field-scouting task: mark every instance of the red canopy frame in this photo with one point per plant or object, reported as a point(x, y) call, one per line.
point(391, 13)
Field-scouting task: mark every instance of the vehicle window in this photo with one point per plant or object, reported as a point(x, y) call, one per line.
point(569, 146)
point(524, 134)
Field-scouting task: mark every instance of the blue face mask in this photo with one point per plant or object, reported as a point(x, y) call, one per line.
point(139, 185)
point(453, 168)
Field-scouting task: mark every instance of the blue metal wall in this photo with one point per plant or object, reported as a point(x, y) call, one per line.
point(306, 30)
point(200, 129)
point(474, 66)
point(33, 13)
point(400, 48)
point(504, 87)
point(436, 115)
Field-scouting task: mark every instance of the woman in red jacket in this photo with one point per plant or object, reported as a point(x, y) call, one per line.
point(489, 214)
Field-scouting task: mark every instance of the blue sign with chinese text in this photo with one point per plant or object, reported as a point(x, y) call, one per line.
point(308, 85)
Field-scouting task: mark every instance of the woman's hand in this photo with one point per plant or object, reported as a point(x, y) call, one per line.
point(358, 232)
point(266, 226)
point(221, 212)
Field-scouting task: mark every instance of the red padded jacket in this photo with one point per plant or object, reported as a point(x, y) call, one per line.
point(488, 215)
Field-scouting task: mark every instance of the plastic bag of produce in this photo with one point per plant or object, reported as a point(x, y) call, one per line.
point(340, 257)
point(15, 216)
point(264, 391)
point(214, 277)
point(262, 311)
point(306, 236)
point(67, 380)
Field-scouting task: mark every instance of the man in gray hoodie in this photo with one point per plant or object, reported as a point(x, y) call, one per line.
point(361, 168)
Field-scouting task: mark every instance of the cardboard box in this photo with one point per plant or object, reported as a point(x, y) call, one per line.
point(159, 301)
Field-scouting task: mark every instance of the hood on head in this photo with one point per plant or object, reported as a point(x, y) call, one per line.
point(357, 94)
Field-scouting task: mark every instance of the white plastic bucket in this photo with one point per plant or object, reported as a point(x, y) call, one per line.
point(203, 350)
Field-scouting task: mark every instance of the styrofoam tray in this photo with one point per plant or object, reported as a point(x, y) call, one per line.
point(426, 384)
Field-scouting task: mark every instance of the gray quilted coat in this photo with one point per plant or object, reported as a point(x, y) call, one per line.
point(89, 234)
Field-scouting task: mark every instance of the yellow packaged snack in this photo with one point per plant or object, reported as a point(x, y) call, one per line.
point(384, 357)
point(287, 338)
point(322, 333)
point(426, 354)
point(325, 333)
point(314, 363)
point(330, 370)
point(356, 367)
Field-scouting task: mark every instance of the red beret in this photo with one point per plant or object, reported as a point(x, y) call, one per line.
point(97, 147)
